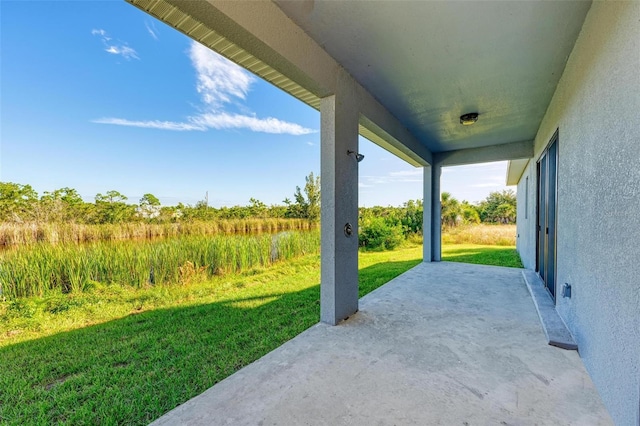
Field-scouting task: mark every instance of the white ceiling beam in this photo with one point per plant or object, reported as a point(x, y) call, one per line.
point(486, 154)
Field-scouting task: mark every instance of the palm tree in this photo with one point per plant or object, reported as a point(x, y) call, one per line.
point(450, 212)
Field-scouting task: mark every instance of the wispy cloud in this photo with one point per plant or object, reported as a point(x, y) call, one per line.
point(412, 172)
point(237, 121)
point(220, 83)
point(219, 80)
point(150, 124)
point(125, 51)
point(213, 121)
point(151, 29)
point(487, 185)
point(402, 176)
point(495, 181)
point(115, 47)
point(100, 32)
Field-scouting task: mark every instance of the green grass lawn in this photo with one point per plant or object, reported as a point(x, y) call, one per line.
point(483, 255)
point(120, 355)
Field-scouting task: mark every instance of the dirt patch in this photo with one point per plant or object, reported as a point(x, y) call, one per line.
point(58, 381)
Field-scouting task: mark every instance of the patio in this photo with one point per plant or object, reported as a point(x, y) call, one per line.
point(444, 343)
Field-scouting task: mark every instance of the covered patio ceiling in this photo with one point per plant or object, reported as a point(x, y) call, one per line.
point(425, 62)
point(428, 62)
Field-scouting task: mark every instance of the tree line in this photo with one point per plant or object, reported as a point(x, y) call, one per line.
point(21, 203)
point(388, 227)
point(498, 207)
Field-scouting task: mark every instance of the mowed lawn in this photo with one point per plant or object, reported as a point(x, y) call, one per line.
point(481, 254)
point(118, 355)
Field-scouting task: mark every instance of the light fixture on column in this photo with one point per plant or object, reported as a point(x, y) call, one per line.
point(358, 157)
point(468, 119)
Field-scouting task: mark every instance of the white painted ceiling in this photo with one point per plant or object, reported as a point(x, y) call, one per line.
point(428, 62)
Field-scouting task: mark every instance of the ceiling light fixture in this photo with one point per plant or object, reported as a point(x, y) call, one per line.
point(358, 157)
point(468, 119)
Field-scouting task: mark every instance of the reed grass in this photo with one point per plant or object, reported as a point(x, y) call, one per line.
point(40, 268)
point(16, 234)
point(125, 356)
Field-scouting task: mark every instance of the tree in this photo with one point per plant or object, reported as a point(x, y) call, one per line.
point(470, 213)
point(277, 211)
point(201, 211)
point(307, 205)
point(17, 202)
point(64, 204)
point(499, 207)
point(450, 213)
point(111, 197)
point(506, 213)
point(111, 207)
point(412, 216)
point(149, 200)
point(149, 207)
point(257, 208)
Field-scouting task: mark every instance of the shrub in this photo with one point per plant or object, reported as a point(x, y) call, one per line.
point(376, 233)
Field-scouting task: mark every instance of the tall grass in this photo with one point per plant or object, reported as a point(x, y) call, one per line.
point(40, 268)
point(13, 234)
point(484, 234)
point(130, 369)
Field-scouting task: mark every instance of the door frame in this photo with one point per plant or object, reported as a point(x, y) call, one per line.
point(542, 264)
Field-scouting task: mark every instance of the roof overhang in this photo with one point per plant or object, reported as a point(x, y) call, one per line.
point(282, 54)
point(500, 59)
point(515, 169)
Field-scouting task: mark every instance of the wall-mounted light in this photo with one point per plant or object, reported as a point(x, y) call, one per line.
point(358, 157)
point(468, 119)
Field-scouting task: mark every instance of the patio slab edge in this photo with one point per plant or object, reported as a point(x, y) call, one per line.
point(554, 328)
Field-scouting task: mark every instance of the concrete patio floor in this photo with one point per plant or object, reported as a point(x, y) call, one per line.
point(443, 344)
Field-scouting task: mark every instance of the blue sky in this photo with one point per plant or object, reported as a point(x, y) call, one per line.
point(99, 96)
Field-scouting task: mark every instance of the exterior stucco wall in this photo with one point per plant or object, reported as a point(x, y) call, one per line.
point(596, 108)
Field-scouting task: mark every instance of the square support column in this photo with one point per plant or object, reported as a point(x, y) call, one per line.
point(427, 235)
point(436, 208)
point(339, 172)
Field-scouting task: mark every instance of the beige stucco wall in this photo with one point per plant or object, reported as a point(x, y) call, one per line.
point(596, 108)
